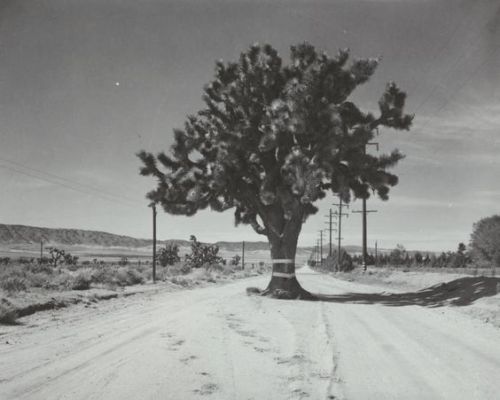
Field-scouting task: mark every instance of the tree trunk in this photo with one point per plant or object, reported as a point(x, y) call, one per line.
point(284, 283)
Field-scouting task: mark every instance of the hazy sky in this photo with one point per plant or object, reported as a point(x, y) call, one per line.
point(86, 84)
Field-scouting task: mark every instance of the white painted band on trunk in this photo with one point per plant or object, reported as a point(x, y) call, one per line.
point(283, 261)
point(283, 275)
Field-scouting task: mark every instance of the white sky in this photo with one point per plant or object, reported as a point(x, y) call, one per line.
point(86, 84)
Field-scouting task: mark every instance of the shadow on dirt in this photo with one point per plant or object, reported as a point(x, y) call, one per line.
point(459, 292)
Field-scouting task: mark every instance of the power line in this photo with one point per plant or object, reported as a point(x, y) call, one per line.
point(65, 185)
point(68, 181)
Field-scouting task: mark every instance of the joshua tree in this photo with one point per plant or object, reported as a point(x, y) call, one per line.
point(202, 255)
point(56, 255)
point(273, 139)
point(169, 255)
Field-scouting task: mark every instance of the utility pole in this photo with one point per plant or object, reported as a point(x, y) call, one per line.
point(364, 211)
point(243, 255)
point(153, 206)
point(317, 251)
point(330, 229)
point(321, 247)
point(339, 215)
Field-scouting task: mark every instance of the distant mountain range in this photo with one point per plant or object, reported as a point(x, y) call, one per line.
point(25, 235)
point(18, 235)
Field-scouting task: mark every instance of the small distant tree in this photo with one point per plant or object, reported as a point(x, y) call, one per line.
point(123, 261)
point(202, 254)
point(70, 259)
point(236, 260)
point(442, 260)
point(459, 258)
point(485, 240)
point(273, 139)
point(56, 255)
point(331, 263)
point(418, 258)
point(461, 248)
point(169, 255)
point(398, 255)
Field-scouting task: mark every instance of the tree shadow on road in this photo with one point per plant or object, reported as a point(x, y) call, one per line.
point(459, 292)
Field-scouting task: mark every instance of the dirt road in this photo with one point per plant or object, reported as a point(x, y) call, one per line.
point(218, 343)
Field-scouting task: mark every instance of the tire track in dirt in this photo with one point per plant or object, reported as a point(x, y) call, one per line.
point(221, 344)
point(71, 366)
point(334, 390)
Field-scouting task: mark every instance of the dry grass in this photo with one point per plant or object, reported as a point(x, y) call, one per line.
point(16, 279)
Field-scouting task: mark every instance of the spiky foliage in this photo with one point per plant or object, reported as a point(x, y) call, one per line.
point(169, 255)
point(203, 255)
point(56, 255)
point(274, 138)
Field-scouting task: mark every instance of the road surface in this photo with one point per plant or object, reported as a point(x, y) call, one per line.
point(219, 343)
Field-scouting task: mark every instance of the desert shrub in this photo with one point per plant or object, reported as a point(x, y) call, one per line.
point(169, 255)
point(70, 260)
point(128, 276)
point(236, 260)
point(13, 284)
point(178, 269)
point(123, 261)
point(8, 314)
point(38, 279)
point(63, 280)
point(43, 260)
point(202, 254)
point(181, 280)
point(227, 270)
point(44, 268)
point(202, 274)
point(4, 260)
point(398, 256)
point(82, 281)
point(72, 267)
point(214, 267)
point(331, 263)
point(103, 276)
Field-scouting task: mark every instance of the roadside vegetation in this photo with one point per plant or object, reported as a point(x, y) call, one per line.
point(62, 272)
point(480, 257)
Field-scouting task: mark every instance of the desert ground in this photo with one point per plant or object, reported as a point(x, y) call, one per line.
point(217, 342)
